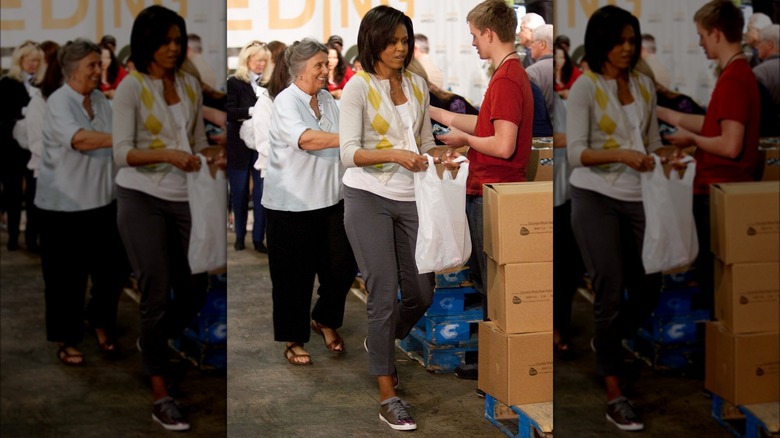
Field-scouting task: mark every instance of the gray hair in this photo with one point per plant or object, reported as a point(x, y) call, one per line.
point(73, 52)
point(771, 34)
point(759, 20)
point(299, 53)
point(544, 33)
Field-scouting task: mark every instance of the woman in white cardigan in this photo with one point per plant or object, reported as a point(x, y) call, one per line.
point(158, 132)
point(611, 128)
point(385, 128)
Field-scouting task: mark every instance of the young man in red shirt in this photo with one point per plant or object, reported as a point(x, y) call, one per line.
point(499, 138)
point(726, 137)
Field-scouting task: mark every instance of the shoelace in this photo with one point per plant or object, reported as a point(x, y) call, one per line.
point(398, 409)
point(624, 408)
point(171, 409)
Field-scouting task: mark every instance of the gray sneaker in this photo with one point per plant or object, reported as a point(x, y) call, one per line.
point(393, 411)
point(620, 412)
point(168, 413)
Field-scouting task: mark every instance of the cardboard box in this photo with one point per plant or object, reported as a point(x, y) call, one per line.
point(540, 163)
point(518, 222)
point(742, 368)
point(516, 369)
point(769, 150)
point(520, 296)
point(747, 296)
point(745, 221)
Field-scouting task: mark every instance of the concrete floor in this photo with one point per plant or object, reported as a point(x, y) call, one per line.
point(670, 404)
point(39, 397)
point(335, 396)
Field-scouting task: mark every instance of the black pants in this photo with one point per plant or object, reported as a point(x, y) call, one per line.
point(610, 233)
point(13, 175)
point(76, 246)
point(300, 246)
point(156, 234)
point(568, 268)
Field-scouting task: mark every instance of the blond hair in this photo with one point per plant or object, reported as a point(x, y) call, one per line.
point(25, 49)
point(250, 50)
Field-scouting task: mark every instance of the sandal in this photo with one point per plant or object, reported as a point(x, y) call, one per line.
point(291, 355)
point(336, 345)
point(69, 359)
point(109, 349)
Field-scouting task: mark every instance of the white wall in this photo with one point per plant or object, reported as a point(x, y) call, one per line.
point(442, 21)
point(63, 20)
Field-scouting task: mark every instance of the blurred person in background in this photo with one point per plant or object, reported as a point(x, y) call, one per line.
point(15, 88)
point(528, 23)
point(421, 54)
point(565, 71)
point(338, 72)
point(111, 73)
point(242, 91)
point(755, 23)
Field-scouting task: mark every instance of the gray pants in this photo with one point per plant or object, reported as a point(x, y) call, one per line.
point(610, 233)
point(383, 235)
point(156, 235)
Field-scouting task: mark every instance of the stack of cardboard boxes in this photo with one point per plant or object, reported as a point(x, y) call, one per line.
point(515, 346)
point(743, 344)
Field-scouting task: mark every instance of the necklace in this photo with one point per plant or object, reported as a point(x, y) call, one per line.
point(505, 57)
point(731, 59)
point(397, 89)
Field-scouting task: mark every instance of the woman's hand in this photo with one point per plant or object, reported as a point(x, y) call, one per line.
point(184, 161)
point(411, 161)
point(449, 157)
point(637, 160)
point(454, 139)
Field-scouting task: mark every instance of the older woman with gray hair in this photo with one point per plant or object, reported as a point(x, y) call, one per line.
point(305, 208)
point(77, 202)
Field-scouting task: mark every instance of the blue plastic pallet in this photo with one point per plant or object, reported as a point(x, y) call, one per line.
point(760, 420)
point(521, 425)
point(207, 358)
point(436, 358)
point(449, 301)
point(676, 329)
point(451, 329)
point(678, 301)
point(668, 357)
point(454, 278)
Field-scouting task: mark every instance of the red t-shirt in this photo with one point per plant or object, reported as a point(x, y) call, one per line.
point(575, 73)
point(509, 98)
point(120, 75)
point(735, 98)
point(348, 73)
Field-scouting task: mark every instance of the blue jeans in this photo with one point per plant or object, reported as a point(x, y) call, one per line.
point(478, 260)
point(239, 201)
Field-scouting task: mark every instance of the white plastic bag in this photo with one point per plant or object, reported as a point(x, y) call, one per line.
point(443, 239)
point(208, 207)
point(670, 231)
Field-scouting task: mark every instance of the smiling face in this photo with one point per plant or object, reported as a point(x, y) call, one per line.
point(394, 54)
point(314, 75)
point(167, 55)
point(620, 55)
point(86, 76)
point(30, 63)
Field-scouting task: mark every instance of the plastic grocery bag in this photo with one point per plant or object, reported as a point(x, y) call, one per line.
point(208, 207)
point(670, 231)
point(443, 239)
